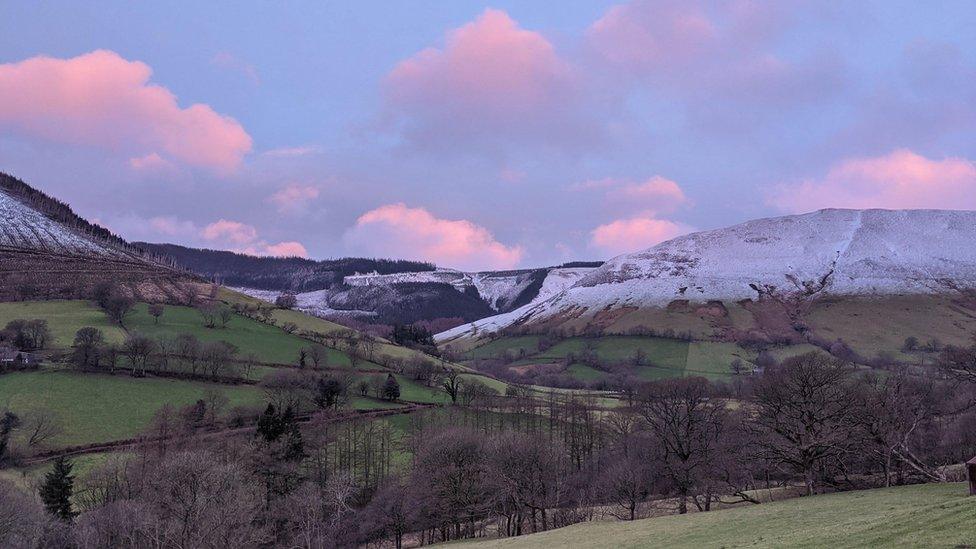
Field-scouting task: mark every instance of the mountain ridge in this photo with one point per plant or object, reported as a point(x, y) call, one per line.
point(831, 252)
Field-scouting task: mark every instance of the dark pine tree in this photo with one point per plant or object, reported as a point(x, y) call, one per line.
point(391, 389)
point(269, 424)
point(56, 491)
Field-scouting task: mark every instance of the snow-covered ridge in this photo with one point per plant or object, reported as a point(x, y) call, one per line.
point(498, 289)
point(828, 252)
point(22, 227)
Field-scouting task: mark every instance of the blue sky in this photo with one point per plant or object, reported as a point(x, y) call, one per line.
point(484, 135)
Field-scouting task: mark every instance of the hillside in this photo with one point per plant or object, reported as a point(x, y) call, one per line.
point(98, 407)
point(929, 515)
point(377, 291)
point(779, 280)
point(281, 274)
point(47, 251)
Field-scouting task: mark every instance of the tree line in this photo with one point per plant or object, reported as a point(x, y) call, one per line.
point(525, 462)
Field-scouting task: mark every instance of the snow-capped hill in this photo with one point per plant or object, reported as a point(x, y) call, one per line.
point(23, 228)
point(828, 252)
point(49, 252)
point(501, 290)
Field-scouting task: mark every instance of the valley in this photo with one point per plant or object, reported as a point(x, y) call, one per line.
point(380, 384)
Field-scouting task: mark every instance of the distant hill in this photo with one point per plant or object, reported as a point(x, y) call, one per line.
point(283, 274)
point(765, 276)
point(49, 252)
point(377, 291)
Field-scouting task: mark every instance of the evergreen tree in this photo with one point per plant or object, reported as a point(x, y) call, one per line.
point(269, 424)
point(56, 491)
point(8, 422)
point(391, 389)
point(294, 445)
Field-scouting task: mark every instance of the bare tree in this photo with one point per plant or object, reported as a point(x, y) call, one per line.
point(216, 403)
point(23, 522)
point(156, 311)
point(686, 424)
point(804, 414)
point(40, 425)
point(892, 411)
point(139, 349)
point(451, 381)
point(118, 307)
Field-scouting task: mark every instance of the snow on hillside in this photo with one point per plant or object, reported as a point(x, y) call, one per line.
point(828, 252)
point(22, 227)
point(497, 288)
point(444, 276)
point(314, 303)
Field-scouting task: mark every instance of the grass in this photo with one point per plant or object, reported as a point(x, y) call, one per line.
point(526, 344)
point(311, 323)
point(871, 326)
point(712, 358)
point(267, 343)
point(928, 515)
point(583, 372)
point(101, 407)
point(664, 357)
point(64, 318)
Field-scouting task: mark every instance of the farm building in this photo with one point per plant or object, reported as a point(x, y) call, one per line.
point(13, 358)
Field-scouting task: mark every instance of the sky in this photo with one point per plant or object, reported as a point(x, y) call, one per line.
point(483, 135)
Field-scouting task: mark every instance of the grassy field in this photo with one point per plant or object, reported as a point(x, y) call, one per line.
point(312, 323)
point(664, 357)
point(64, 318)
point(871, 326)
point(930, 515)
point(268, 343)
point(100, 408)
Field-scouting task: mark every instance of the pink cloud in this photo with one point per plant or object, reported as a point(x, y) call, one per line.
point(656, 190)
point(396, 230)
point(103, 100)
point(634, 234)
point(241, 237)
point(281, 249)
point(655, 194)
point(151, 162)
point(898, 180)
point(491, 82)
point(294, 198)
point(232, 231)
point(646, 36)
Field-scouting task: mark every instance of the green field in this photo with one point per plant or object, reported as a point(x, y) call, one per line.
point(306, 322)
point(929, 515)
point(101, 407)
point(664, 357)
point(64, 318)
point(269, 343)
